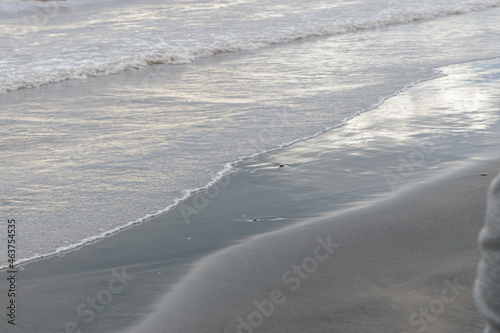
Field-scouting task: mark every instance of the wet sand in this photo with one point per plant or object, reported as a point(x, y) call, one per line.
point(402, 264)
point(390, 257)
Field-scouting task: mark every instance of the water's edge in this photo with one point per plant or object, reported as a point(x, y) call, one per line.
point(225, 170)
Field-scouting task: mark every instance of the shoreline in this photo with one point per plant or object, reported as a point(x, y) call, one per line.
point(202, 276)
point(431, 254)
point(228, 167)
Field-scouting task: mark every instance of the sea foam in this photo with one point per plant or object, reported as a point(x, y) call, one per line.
point(139, 53)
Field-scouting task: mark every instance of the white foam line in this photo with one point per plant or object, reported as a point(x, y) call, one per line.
point(88, 240)
point(226, 169)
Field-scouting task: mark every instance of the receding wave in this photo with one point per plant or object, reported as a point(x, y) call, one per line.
point(165, 53)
